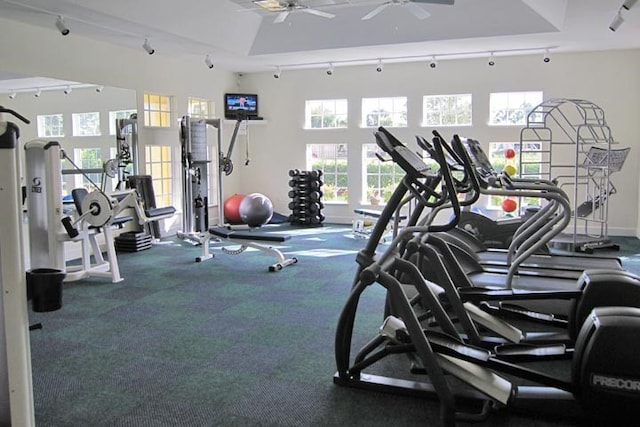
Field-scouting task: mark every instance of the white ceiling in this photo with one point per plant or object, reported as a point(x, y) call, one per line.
point(240, 36)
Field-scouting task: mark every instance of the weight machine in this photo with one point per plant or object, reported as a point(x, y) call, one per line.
point(46, 227)
point(127, 148)
point(195, 187)
point(16, 390)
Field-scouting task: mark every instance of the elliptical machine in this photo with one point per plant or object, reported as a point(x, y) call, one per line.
point(604, 367)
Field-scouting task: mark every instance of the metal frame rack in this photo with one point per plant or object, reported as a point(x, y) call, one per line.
point(562, 129)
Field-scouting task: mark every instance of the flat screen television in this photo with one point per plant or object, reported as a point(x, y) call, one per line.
point(238, 104)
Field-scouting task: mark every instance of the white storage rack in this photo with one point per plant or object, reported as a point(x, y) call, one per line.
point(572, 143)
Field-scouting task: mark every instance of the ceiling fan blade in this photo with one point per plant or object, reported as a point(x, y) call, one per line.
point(376, 11)
point(319, 13)
point(281, 17)
point(417, 11)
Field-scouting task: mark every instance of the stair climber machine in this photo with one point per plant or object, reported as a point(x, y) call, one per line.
point(16, 390)
point(431, 343)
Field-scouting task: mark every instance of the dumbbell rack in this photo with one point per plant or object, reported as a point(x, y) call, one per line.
point(306, 197)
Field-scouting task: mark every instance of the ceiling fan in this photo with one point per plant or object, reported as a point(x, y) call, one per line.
point(285, 7)
point(410, 5)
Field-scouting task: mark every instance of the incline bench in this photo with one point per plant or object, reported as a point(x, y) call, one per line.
point(247, 238)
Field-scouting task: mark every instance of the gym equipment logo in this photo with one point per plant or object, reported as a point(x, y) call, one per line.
point(36, 186)
point(615, 383)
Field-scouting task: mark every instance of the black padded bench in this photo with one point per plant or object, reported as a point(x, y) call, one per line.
point(228, 233)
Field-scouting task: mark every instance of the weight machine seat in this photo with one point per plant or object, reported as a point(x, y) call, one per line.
point(78, 195)
point(227, 233)
point(155, 212)
point(143, 184)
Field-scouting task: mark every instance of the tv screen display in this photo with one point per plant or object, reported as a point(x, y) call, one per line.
point(240, 103)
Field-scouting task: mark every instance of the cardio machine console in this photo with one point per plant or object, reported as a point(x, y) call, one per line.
point(409, 161)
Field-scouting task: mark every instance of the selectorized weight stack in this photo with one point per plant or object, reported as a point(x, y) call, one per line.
point(195, 175)
point(306, 197)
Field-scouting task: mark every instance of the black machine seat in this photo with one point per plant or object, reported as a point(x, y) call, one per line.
point(155, 212)
point(227, 233)
point(143, 184)
point(78, 195)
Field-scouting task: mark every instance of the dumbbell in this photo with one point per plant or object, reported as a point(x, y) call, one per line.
point(302, 184)
point(313, 196)
point(310, 174)
point(303, 207)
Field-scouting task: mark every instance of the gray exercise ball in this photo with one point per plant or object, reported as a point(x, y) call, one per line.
point(256, 209)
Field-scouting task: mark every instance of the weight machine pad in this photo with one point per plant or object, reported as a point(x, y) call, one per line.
point(227, 233)
point(154, 212)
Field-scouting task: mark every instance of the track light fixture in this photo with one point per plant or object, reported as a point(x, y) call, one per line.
point(628, 4)
point(67, 90)
point(330, 69)
point(99, 89)
point(147, 46)
point(38, 93)
point(276, 75)
point(617, 21)
point(380, 66)
point(64, 30)
point(546, 58)
point(13, 95)
point(492, 61)
point(433, 63)
point(208, 61)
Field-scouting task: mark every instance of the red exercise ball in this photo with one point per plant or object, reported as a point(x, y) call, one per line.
point(509, 205)
point(509, 153)
point(232, 209)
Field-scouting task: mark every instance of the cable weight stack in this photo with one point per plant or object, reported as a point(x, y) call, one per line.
point(306, 197)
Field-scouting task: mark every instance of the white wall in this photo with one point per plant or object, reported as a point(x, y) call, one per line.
point(608, 79)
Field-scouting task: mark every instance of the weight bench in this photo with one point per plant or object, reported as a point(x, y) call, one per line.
point(247, 239)
point(360, 229)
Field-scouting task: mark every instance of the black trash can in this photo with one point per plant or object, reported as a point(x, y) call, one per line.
point(44, 288)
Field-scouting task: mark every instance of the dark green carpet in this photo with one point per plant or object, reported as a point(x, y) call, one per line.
point(218, 343)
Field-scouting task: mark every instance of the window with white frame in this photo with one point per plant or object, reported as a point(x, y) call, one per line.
point(512, 108)
point(87, 159)
point(446, 110)
point(381, 178)
point(390, 112)
point(505, 156)
point(117, 115)
point(86, 124)
point(158, 165)
point(325, 114)
point(331, 159)
point(200, 108)
point(51, 125)
point(157, 110)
